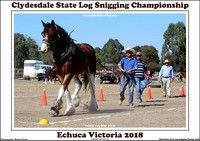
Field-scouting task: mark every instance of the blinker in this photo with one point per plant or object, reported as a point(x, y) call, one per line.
point(51, 28)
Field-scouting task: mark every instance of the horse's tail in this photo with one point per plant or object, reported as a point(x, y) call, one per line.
point(85, 80)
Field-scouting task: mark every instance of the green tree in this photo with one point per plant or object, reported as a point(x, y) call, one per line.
point(170, 49)
point(181, 60)
point(25, 48)
point(21, 50)
point(112, 52)
point(47, 58)
point(99, 66)
point(149, 55)
point(33, 53)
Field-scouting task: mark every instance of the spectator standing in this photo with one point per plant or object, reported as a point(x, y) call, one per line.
point(167, 75)
point(43, 74)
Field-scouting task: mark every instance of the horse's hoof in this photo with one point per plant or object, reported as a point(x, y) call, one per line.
point(70, 111)
point(85, 107)
point(53, 113)
point(92, 107)
point(76, 101)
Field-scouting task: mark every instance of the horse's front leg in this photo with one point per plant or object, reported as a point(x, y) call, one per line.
point(55, 109)
point(70, 106)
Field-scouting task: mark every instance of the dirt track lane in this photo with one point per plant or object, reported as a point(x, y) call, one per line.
point(158, 112)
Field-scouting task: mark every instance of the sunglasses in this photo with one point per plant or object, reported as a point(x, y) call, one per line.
point(139, 55)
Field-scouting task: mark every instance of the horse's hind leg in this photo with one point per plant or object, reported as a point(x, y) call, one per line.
point(50, 80)
point(75, 96)
point(53, 81)
point(93, 104)
point(55, 109)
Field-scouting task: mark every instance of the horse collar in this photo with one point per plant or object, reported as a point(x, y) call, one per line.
point(65, 56)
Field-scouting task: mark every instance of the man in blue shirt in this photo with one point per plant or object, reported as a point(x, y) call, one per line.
point(43, 74)
point(167, 75)
point(127, 66)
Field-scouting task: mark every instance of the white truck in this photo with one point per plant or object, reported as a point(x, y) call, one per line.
point(32, 68)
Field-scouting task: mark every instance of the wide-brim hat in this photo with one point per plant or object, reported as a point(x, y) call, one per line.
point(130, 49)
point(166, 61)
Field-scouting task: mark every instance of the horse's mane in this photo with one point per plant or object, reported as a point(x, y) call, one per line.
point(63, 33)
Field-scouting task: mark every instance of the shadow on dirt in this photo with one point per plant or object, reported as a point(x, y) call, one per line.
point(150, 105)
point(103, 111)
point(177, 96)
point(114, 110)
point(157, 101)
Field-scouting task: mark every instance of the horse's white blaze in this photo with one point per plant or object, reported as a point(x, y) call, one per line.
point(44, 48)
point(75, 96)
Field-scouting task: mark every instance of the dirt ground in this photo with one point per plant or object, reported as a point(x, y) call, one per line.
point(157, 112)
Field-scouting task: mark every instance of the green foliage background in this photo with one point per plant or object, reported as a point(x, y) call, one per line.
point(174, 46)
point(174, 49)
point(26, 48)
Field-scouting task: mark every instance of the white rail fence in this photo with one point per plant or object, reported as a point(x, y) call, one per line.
point(18, 73)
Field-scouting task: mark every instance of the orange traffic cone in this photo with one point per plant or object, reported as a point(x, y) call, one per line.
point(149, 93)
point(101, 95)
point(182, 91)
point(44, 99)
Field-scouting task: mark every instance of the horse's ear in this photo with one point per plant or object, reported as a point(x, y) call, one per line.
point(52, 24)
point(43, 24)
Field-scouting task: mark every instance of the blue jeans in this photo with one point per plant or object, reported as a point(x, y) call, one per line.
point(127, 80)
point(139, 85)
point(43, 77)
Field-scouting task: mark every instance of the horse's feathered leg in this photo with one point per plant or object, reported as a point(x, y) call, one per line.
point(70, 106)
point(55, 109)
point(75, 96)
point(93, 104)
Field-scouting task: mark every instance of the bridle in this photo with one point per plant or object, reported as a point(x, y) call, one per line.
point(50, 42)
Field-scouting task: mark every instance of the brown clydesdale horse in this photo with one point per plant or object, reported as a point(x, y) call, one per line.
point(50, 74)
point(69, 60)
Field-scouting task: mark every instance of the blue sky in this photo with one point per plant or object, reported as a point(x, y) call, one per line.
point(131, 29)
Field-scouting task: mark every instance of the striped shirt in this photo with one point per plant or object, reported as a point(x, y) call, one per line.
point(141, 69)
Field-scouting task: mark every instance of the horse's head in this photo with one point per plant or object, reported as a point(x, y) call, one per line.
point(50, 36)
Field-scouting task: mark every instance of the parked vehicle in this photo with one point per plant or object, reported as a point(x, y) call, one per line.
point(33, 69)
point(107, 75)
point(30, 68)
